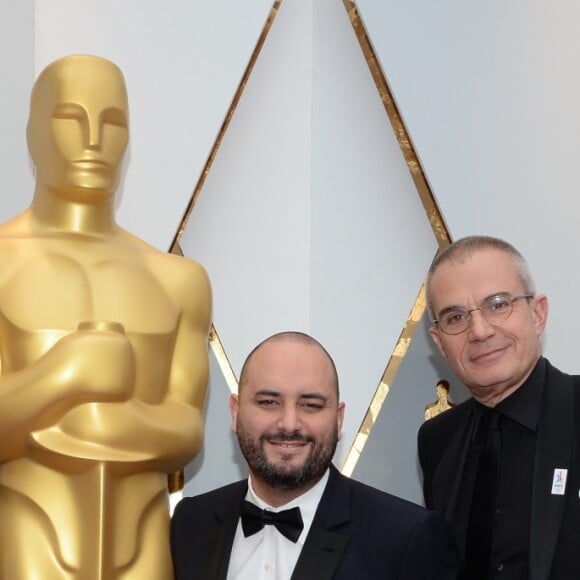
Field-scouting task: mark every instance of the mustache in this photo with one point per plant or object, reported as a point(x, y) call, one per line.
point(287, 438)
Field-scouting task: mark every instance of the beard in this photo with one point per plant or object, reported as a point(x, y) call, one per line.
point(284, 475)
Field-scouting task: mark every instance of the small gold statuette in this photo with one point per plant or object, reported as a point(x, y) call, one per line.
point(442, 403)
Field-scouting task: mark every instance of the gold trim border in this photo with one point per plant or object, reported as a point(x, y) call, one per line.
point(224, 127)
point(385, 383)
point(417, 173)
point(434, 216)
point(423, 189)
point(214, 339)
point(223, 361)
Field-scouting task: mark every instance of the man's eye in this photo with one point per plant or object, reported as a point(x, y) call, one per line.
point(456, 317)
point(267, 402)
point(498, 304)
point(312, 407)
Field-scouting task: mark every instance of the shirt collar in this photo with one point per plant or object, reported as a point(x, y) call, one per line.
point(307, 502)
point(524, 404)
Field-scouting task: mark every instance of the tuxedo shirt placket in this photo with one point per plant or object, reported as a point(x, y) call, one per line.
point(268, 555)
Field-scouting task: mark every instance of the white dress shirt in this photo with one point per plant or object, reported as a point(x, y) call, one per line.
point(268, 555)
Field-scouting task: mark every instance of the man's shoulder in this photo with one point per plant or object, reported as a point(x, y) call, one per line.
point(208, 501)
point(380, 499)
point(387, 533)
point(555, 371)
point(562, 386)
point(224, 491)
point(393, 519)
point(368, 501)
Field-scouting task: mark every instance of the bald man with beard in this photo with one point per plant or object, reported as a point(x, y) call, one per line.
point(296, 517)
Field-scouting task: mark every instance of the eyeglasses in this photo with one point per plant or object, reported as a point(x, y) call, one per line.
point(494, 309)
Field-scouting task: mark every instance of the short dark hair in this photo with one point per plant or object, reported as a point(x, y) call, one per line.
point(468, 245)
point(289, 336)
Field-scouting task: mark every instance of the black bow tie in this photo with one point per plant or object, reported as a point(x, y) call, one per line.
point(288, 522)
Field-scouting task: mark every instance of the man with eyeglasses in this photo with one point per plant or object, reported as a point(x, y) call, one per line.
point(504, 466)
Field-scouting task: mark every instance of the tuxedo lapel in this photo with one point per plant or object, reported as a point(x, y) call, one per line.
point(214, 562)
point(553, 451)
point(320, 554)
point(324, 545)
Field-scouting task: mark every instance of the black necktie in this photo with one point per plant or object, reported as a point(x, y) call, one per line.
point(288, 522)
point(483, 503)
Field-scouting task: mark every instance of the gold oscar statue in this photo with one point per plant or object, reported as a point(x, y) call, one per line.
point(442, 403)
point(103, 350)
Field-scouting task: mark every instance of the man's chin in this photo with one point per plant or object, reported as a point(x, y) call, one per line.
point(282, 473)
point(286, 464)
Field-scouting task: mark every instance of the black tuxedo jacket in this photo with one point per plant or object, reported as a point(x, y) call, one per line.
point(554, 547)
point(358, 533)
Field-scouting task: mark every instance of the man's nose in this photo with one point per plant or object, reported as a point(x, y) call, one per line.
point(479, 327)
point(289, 419)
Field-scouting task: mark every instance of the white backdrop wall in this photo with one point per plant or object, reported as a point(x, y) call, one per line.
point(308, 218)
point(17, 74)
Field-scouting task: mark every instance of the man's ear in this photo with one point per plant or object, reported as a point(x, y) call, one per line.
point(340, 419)
point(234, 408)
point(435, 335)
point(540, 312)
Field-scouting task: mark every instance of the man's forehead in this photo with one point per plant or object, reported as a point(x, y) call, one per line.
point(288, 366)
point(478, 274)
point(289, 355)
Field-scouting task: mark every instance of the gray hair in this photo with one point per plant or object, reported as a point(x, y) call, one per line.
point(467, 246)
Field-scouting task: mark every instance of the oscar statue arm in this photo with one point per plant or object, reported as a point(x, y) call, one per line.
point(184, 406)
point(86, 365)
point(150, 431)
point(170, 433)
